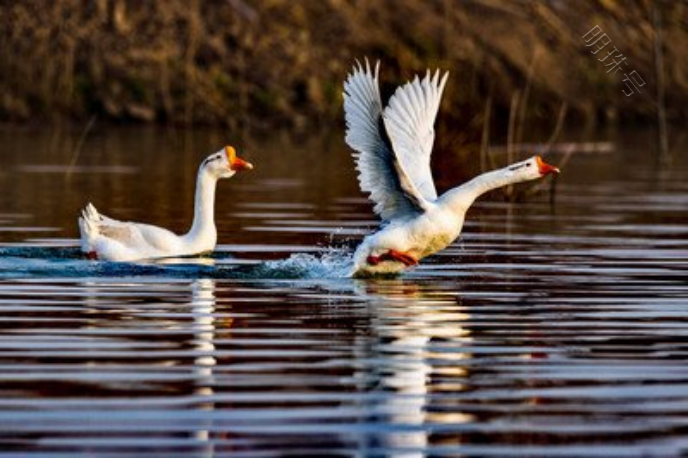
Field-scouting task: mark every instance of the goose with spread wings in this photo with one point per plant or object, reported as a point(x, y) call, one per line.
point(392, 147)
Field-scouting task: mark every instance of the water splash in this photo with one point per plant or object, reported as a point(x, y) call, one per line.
point(334, 263)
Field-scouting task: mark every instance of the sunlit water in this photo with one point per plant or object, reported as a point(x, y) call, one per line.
point(549, 328)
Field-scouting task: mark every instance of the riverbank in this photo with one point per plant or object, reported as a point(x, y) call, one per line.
point(258, 65)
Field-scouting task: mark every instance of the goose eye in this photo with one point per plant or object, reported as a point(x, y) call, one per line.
point(516, 167)
point(528, 164)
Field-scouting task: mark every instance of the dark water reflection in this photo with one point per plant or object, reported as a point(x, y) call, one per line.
point(544, 331)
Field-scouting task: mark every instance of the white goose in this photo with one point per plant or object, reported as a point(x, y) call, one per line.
point(392, 152)
point(111, 240)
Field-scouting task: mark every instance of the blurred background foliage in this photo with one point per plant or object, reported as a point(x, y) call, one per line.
point(260, 64)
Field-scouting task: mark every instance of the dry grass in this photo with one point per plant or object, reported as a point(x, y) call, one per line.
point(257, 64)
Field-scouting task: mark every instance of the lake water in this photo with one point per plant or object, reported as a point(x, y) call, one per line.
point(552, 327)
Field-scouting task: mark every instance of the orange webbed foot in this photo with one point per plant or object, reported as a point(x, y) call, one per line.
point(374, 260)
point(92, 255)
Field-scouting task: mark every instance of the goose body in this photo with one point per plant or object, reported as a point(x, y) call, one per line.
point(392, 148)
point(108, 239)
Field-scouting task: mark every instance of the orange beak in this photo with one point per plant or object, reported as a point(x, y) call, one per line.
point(239, 164)
point(235, 162)
point(544, 168)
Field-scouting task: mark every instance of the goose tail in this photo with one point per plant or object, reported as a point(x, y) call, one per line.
point(89, 227)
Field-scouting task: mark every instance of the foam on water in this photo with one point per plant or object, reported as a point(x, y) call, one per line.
point(333, 263)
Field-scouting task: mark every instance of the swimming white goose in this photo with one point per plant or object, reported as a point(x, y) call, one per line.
point(111, 240)
point(392, 153)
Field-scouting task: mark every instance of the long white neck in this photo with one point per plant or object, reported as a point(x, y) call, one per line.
point(462, 197)
point(203, 231)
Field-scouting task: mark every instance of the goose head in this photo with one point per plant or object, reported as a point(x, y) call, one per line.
point(531, 169)
point(224, 163)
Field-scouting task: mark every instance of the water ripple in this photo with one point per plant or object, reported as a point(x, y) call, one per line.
point(547, 330)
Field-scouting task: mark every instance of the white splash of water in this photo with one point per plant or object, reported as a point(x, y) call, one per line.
point(333, 263)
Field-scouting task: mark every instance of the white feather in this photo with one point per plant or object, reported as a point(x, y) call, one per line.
point(409, 119)
point(379, 173)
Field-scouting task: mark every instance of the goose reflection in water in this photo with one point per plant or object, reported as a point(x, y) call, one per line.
point(412, 326)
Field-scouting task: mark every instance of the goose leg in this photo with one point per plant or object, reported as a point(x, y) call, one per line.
point(402, 257)
point(392, 255)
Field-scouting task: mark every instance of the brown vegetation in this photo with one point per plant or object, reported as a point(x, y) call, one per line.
point(244, 63)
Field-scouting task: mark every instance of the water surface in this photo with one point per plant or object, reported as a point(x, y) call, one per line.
point(550, 328)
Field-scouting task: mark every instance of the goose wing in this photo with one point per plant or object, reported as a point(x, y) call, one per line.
point(409, 120)
point(124, 233)
point(380, 173)
point(131, 235)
